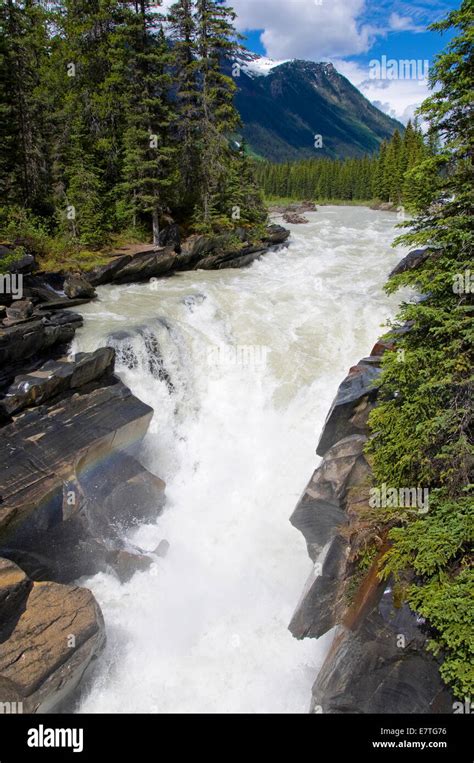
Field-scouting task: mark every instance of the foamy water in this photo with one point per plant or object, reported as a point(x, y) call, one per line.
point(249, 361)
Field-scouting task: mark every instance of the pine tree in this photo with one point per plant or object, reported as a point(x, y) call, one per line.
point(424, 421)
point(149, 176)
point(24, 165)
point(215, 41)
point(89, 121)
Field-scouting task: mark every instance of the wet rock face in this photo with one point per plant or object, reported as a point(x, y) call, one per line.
point(350, 410)
point(321, 509)
point(381, 667)
point(49, 445)
point(378, 662)
point(37, 671)
point(320, 514)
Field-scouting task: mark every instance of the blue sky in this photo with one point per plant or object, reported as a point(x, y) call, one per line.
point(351, 34)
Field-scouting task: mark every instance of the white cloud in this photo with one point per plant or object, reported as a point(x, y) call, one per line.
point(305, 28)
point(332, 31)
point(398, 98)
point(399, 23)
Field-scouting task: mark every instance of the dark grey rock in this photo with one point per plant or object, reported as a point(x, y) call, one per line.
point(125, 564)
point(19, 311)
point(381, 667)
point(170, 236)
point(412, 261)
point(321, 509)
point(55, 377)
point(48, 445)
point(351, 408)
point(78, 287)
point(162, 549)
point(276, 234)
point(323, 602)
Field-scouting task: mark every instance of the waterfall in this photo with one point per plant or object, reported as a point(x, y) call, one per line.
point(241, 368)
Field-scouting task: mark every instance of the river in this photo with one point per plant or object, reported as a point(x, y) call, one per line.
point(240, 367)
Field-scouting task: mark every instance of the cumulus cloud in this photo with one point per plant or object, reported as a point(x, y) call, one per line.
point(306, 28)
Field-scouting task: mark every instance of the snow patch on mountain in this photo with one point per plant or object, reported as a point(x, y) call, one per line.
point(259, 66)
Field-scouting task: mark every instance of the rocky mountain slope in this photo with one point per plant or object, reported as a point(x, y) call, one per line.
point(285, 105)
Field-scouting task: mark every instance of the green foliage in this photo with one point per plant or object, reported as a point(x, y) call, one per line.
point(105, 126)
point(423, 425)
point(382, 177)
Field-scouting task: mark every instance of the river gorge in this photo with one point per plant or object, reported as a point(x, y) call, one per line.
point(240, 368)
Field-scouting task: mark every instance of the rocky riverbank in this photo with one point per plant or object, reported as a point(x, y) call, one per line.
point(377, 662)
point(69, 481)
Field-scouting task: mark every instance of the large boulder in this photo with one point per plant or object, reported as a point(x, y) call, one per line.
point(106, 273)
point(354, 401)
point(276, 234)
point(170, 236)
point(293, 218)
point(95, 508)
point(18, 312)
point(77, 286)
point(49, 634)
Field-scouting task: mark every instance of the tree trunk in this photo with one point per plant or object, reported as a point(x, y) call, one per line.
point(156, 226)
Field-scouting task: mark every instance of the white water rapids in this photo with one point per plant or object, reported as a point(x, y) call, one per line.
point(254, 358)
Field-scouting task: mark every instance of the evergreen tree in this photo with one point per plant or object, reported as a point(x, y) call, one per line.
point(218, 116)
point(423, 426)
point(149, 176)
point(181, 24)
point(24, 45)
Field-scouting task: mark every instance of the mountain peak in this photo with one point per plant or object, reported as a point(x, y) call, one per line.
point(285, 104)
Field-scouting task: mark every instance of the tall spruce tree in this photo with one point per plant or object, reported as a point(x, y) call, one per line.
point(149, 176)
point(24, 157)
point(215, 41)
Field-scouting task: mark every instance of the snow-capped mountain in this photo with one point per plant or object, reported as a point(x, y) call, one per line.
point(285, 105)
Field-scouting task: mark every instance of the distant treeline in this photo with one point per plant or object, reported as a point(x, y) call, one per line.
point(381, 177)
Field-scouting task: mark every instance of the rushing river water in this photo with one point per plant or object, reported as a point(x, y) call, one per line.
point(240, 367)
